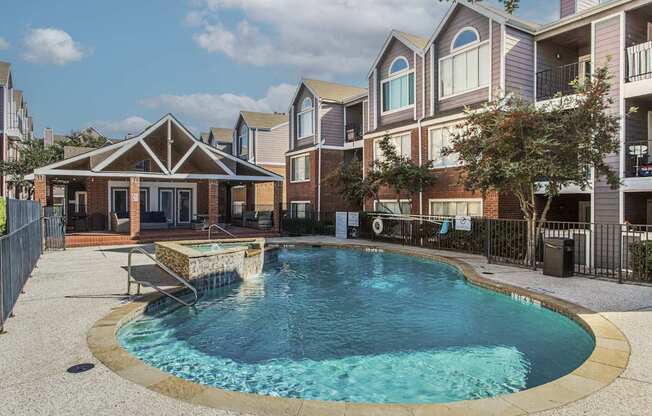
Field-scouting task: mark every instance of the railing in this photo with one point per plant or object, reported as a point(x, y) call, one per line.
point(20, 249)
point(552, 82)
point(639, 62)
point(353, 132)
point(637, 159)
point(167, 270)
point(210, 228)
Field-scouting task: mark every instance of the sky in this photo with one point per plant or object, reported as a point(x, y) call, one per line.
point(119, 65)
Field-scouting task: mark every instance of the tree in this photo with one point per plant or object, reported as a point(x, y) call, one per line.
point(510, 5)
point(512, 146)
point(394, 171)
point(33, 155)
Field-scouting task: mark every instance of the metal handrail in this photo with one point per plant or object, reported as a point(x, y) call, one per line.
point(219, 229)
point(166, 269)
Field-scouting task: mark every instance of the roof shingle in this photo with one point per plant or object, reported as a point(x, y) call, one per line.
point(257, 120)
point(332, 91)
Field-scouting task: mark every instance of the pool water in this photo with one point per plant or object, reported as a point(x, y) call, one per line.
point(350, 325)
point(210, 247)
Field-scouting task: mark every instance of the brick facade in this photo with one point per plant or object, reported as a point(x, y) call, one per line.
point(40, 189)
point(134, 206)
point(213, 201)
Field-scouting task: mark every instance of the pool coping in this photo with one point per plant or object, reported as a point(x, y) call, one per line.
point(182, 246)
point(605, 364)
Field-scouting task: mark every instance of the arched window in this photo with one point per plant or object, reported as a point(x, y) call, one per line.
point(465, 37)
point(399, 64)
point(305, 119)
point(306, 104)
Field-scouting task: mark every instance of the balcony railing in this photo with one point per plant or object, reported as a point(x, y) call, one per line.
point(637, 159)
point(639, 62)
point(353, 132)
point(552, 82)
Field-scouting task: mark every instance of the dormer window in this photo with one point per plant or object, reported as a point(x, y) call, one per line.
point(305, 117)
point(467, 68)
point(467, 36)
point(243, 141)
point(397, 90)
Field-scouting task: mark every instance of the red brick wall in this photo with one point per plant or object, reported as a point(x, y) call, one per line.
point(40, 192)
point(302, 191)
point(202, 197)
point(134, 206)
point(213, 202)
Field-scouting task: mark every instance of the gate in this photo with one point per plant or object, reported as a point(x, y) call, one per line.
point(54, 225)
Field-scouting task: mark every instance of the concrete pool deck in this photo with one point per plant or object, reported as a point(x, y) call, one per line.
point(71, 290)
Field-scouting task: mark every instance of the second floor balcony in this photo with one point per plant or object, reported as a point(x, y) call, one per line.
point(638, 163)
point(559, 81)
point(639, 62)
point(353, 132)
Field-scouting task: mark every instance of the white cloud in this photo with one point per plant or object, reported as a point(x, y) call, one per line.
point(219, 110)
point(321, 38)
point(120, 128)
point(4, 43)
point(51, 46)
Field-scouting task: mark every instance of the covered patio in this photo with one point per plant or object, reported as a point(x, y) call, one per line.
point(160, 182)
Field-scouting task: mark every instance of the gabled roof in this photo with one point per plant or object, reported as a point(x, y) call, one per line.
point(215, 164)
point(332, 91)
point(203, 137)
point(5, 69)
point(18, 97)
point(411, 41)
point(266, 121)
point(222, 135)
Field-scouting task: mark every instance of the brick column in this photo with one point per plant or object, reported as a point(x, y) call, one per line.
point(40, 189)
point(213, 201)
point(278, 199)
point(134, 206)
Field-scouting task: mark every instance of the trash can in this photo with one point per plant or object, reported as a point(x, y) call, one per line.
point(558, 257)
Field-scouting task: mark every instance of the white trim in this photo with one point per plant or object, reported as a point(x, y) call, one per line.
point(184, 158)
point(623, 124)
point(77, 193)
point(218, 161)
point(302, 155)
point(593, 175)
point(241, 161)
point(432, 80)
point(452, 56)
point(393, 77)
point(88, 173)
point(272, 163)
point(465, 29)
point(375, 112)
point(302, 112)
point(87, 154)
point(503, 70)
point(491, 58)
point(414, 116)
point(536, 65)
point(302, 83)
point(393, 35)
point(407, 127)
point(153, 156)
point(106, 162)
point(407, 63)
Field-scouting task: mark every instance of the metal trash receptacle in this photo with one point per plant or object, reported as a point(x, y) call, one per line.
point(558, 257)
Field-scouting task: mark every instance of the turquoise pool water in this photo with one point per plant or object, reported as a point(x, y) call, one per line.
point(210, 247)
point(349, 325)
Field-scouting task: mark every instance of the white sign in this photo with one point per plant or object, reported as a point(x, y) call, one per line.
point(354, 219)
point(341, 228)
point(463, 223)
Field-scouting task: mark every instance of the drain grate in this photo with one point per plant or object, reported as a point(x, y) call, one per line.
point(80, 368)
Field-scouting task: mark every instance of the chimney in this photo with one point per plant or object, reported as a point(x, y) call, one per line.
point(48, 136)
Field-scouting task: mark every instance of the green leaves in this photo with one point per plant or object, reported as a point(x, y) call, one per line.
point(510, 5)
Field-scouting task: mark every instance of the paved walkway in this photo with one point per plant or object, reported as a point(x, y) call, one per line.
point(71, 290)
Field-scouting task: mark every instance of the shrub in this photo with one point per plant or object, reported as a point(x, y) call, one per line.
point(640, 259)
point(3, 215)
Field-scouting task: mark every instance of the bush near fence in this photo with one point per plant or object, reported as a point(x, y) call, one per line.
point(3, 215)
point(640, 258)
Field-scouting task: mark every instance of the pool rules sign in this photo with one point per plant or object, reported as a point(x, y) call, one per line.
point(344, 221)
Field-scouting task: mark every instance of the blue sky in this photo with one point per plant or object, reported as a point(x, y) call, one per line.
point(122, 63)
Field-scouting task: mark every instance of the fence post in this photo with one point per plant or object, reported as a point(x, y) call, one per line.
point(488, 240)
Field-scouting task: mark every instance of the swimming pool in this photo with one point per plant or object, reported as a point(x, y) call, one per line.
point(356, 326)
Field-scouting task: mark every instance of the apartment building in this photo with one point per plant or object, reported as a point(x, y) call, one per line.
point(220, 138)
point(16, 125)
point(418, 88)
point(260, 139)
point(327, 123)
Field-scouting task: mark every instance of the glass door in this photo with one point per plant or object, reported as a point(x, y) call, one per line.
point(120, 202)
point(166, 204)
point(184, 206)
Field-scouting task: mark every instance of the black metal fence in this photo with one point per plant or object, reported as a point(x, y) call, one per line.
point(620, 252)
point(20, 249)
point(557, 81)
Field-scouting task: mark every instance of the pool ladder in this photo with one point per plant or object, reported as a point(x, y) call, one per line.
point(166, 269)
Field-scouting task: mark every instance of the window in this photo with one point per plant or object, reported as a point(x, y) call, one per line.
point(243, 140)
point(120, 202)
point(393, 206)
point(80, 202)
point(144, 165)
point(237, 209)
point(465, 37)
point(398, 89)
point(464, 71)
point(455, 207)
point(305, 119)
point(144, 200)
point(300, 168)
point(438, 139)
point(402, 144)
point(299, 209)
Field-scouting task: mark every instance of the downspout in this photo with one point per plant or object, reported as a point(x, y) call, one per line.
point(420, 164)
point(319, 180)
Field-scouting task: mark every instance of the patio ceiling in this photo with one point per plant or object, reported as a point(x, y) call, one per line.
point(173, 152)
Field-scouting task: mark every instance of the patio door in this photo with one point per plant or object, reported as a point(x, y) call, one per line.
point(166, 203)
point(184, 206)
point(120, 201)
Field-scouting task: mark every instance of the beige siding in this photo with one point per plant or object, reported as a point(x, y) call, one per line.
point(607, 44)
point(272, 145)
point(519, 63)
point(496, 52)
point(331, 118)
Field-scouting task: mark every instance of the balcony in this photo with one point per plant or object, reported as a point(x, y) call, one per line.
point(558, 81)
point(353, 132)
point(639, 62)
point(638, 163)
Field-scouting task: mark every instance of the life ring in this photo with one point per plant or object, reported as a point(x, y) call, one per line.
point(377, 226)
